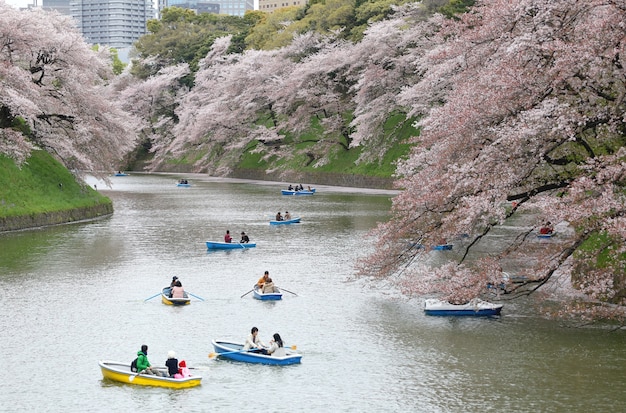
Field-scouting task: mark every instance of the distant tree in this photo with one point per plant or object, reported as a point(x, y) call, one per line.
point(521, 111)
point(182, 36)
point(54, 95)
point(272, 31)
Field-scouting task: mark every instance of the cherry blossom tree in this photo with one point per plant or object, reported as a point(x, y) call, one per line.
point(54, 87)
point(521, 109)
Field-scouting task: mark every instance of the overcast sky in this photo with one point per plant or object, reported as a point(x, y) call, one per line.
point(18, 3)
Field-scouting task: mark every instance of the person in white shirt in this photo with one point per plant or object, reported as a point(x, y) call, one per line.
point(276, 346)
point(254, 343)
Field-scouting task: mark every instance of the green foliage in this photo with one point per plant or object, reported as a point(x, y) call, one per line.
point(295, 152)
point(182, 36)
point(455, 7)
point(118, 65)
point(270, 31)
point(348, 18)
point(7, 120)
point(41, 185)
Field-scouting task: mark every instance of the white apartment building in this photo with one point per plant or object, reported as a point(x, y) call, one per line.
point(115, 23)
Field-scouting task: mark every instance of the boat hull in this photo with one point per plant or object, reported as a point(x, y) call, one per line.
point(251, 357)
point(184, 185)
point(303, 192)
point(120, 372)
point(443, 247)
point(213, 245)
point(475, 308)
point(165, 298)
point(286, 221)
point(267, 296)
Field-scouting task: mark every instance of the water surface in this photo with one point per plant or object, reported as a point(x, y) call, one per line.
point(72, 295)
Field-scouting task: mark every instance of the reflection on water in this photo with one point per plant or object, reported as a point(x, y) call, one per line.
point(72, 295)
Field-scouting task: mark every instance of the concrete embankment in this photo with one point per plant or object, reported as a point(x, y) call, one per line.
point(318, 178)
point(55, 218)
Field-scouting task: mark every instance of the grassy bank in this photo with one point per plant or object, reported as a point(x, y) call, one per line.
point(42, 186)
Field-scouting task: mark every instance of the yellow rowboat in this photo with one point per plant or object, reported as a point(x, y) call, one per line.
point(165, 298)
point(120, 372)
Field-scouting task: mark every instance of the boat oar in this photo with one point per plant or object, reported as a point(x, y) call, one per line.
point(247, 293)
point(150, 298)
point(284, 289)
point(193, 295)
point(213, 354)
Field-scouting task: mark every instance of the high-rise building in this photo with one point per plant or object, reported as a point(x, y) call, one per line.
point(115, 23)
point(62, 6)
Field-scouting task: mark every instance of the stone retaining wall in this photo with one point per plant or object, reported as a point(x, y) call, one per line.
point(319, 178)
point(55, 218)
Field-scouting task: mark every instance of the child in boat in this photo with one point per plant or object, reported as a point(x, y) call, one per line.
point(183, 370)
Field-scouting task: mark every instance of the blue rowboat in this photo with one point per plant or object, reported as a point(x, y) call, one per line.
point(121, 372)
point(550, 235)
point(277, 295)
point(302, 192)
point(121, 174)
point(475, 308)
point(286, 221)
point(214, 245)
point(165, 298)
point(183, 185)
point(234, 351)
point(442, 247)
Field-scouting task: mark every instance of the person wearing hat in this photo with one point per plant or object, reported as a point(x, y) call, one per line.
point(183, 371)
point(244, 238)
point(171, 363)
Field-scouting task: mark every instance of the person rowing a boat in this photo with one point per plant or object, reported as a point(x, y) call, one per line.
point(143, 365)
point(254, 343)
point(279, 217)
point(244, 238)
point(227, 237)
point(287, 216)
point(259, 284)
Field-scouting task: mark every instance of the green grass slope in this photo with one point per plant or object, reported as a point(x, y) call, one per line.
point(42, 185)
